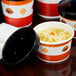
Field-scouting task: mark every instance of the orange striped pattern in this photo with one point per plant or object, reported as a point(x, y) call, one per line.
point(17, 2)
point(57, 45)
point(19, 22)
point(53, 58)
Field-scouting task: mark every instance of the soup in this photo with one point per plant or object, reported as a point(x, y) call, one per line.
point(54, 35)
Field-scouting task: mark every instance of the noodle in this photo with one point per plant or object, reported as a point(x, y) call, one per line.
point(54, 35)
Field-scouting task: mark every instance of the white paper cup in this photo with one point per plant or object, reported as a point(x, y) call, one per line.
point(18, 13)
point(57, 51)
point(5, 31)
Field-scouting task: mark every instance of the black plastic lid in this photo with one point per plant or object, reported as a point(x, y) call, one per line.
point(20, 45)
point(67, 9)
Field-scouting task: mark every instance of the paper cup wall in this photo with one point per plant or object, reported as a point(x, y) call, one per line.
point(55, 51)
point(18, 13)
point(48, 8)
point(5, 31)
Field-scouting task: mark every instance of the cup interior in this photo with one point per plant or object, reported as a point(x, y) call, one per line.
point(54, 24)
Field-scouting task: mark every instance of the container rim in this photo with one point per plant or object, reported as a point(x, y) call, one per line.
point(55, 43)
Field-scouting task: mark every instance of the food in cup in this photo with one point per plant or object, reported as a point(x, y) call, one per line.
point(55, 51)
point(54, 35)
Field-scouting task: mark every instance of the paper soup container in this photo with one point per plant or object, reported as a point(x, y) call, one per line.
point(57, 51)
point(5, 31)
point(18, 12)
point(48, 8)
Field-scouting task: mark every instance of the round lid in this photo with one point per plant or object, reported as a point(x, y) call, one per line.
point(67, 9)
point(20, 45)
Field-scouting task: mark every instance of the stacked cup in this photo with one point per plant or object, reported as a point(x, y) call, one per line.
point(48, 8)
point(18, 13)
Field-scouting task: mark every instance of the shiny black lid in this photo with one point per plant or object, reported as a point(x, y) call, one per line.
point(67, 9)
point(20, 45)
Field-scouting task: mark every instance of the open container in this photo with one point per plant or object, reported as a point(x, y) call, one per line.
point(20, 45)
point(54, 50)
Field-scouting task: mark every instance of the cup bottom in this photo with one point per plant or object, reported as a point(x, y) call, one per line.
point(27, 25)
point(49, 17)
point(54, 61)
point(19, 22)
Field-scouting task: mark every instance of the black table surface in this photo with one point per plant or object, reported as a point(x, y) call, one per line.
point(35, 67)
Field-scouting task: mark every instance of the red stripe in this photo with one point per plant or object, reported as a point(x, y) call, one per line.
point(19, 22)
point(53, 58)
point(47, 9)
point(57, 45)
point(22, 2)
